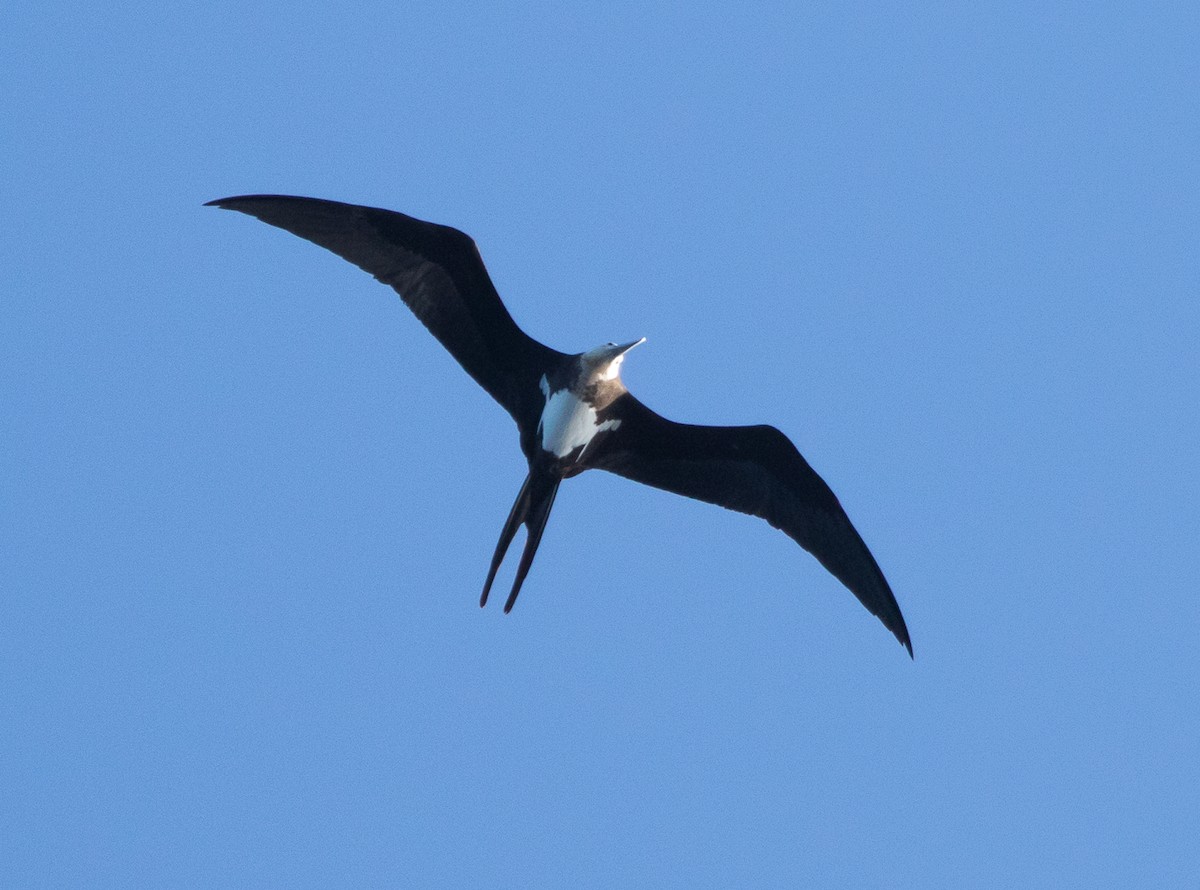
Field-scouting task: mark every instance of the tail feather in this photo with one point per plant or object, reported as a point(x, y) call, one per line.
point(520, 509)
point(536, 523)
point(531, 509)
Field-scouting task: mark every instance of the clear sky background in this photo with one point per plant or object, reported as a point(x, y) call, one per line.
point(247, 502)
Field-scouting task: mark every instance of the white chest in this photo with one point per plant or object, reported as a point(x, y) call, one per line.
point(568, 422)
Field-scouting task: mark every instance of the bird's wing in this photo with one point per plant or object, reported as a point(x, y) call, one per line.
point(440, 276)
point(755, 470)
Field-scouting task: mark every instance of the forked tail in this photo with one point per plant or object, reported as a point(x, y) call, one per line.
point(532, 508)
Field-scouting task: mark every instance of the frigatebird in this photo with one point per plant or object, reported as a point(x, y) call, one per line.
point(572, 411)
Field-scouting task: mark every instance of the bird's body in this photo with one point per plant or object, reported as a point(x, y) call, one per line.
point(572, 410)
point(582, 390)
point(569, 424)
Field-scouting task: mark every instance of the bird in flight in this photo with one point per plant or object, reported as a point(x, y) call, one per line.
point(572, 410)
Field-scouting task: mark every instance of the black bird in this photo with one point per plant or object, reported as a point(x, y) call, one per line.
point(573, 412)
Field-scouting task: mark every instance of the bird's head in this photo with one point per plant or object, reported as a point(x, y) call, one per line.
point(604, 361)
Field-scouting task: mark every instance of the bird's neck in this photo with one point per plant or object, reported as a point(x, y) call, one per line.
point(599, 391)
point(598, 385)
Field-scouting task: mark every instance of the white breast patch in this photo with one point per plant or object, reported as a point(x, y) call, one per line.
point(568, 422)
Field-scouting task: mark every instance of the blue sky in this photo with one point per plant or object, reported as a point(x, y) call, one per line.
point(247, 502)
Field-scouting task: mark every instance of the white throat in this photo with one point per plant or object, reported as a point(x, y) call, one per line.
point(613, 370)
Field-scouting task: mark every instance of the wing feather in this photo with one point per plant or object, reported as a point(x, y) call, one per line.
point(438, 272)
point(755, 470)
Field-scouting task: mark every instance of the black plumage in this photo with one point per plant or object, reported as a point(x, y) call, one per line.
point(438, 272)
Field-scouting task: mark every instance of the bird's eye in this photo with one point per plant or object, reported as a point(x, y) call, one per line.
point(610, 344)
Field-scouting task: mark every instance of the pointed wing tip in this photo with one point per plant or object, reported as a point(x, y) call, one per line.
point(900, 630)
point(231, 202)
